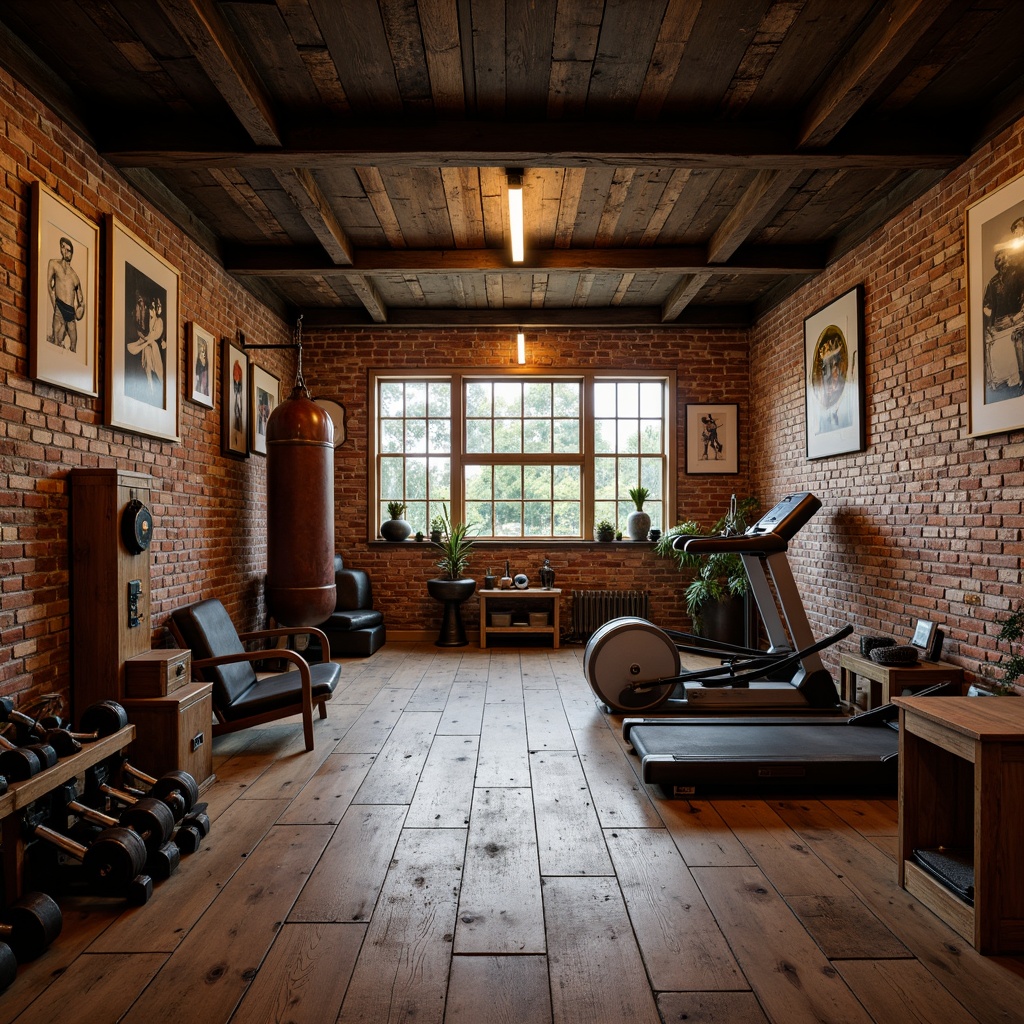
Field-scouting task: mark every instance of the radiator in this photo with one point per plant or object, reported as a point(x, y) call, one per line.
point(593, 608)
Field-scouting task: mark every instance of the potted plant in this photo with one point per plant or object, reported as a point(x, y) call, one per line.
point(395, 528)
point(1011, 633)
point(714, 597)
point(451, 586)
point(604, 531)
point(638, 523)
point(436, 526)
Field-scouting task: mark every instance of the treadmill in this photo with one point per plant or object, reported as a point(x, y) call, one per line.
point(689, 756)
point(634, 666)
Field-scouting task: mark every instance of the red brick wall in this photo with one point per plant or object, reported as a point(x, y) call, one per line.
point(926, 523)
point(208, 509)
point(710, 367)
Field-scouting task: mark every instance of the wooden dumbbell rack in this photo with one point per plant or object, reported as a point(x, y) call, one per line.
point(21, 794)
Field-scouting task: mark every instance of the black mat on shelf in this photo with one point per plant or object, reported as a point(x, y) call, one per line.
point(953, 868)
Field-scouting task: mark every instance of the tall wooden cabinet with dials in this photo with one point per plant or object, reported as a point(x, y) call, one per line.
point(110, 568)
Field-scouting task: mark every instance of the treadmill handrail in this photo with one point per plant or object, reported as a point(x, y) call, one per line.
point(744, 544)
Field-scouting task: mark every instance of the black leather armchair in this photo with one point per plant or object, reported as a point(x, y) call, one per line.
point(355, 627)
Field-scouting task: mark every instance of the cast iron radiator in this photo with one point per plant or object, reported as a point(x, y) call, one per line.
point(593, 608)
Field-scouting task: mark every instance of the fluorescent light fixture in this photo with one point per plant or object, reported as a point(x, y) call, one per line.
point(521, 348)
point(515, 213)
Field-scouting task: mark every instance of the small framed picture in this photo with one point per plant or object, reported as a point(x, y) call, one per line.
point(928, 638)
point(142, 336)
point(834, 377)
point(264, 396)
point(234, 400)
point(712, 439)
point(202, 365)
point(63, 338)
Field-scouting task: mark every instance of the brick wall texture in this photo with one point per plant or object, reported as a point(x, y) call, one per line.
point(924, 523)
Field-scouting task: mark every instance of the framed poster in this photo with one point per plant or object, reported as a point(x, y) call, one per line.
point(234, 400)
point(834, 377)
point(142, 336)
point(995, 311)
point(202, 366)
point(263, 398)
point(64, 290)
point(712, 439)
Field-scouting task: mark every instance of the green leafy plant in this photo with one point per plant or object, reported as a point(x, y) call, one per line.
point(639, 495)
point(436, 524)
point(604, 529)
point(717, 576)
point(455, 545)
point(395, 509)
point(1011, 634)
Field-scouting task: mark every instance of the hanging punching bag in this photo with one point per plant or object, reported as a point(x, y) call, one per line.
point(300, 512)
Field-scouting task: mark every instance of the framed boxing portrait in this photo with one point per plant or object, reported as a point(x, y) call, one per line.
point(234, 400)
point(712, 439)
point(264, 394)
point(201, 366)
point(64, 289)
point(995, 311)
point(142, 336)
point(834, 377)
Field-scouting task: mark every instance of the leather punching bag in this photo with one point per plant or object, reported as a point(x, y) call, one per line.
point(300, 512)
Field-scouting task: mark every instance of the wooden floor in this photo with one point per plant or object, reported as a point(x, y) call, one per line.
point(469, 842)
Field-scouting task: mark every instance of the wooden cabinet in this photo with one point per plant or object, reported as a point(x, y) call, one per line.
point(519, 605)
point(157, 673)
point(883, 682)
point(174, 732)
point(105, 578)
point(961, 783)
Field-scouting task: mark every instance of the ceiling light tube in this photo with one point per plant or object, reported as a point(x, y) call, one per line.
point(515, 214)
point(521, 348)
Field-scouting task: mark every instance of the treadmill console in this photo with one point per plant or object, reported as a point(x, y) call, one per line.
point(787, 517)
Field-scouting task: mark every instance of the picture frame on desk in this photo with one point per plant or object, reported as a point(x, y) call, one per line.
point(928, 638)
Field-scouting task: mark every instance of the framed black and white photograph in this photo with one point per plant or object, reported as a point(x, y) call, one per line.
point(202, 366)
point(234, 400)
point(263, 399)
point(995, 311)
point(834, 377)
point(142, 336)
point(64, 283)
point(712, 439)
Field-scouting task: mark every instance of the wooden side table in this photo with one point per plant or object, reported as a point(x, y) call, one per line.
point(888, 681)
point(961, 778)
point(535, 597)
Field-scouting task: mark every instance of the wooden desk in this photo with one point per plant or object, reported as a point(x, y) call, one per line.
point(888, 681)
point(511, 599)
point(961, 784)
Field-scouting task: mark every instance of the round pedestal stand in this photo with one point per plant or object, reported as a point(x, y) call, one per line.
point(452, 593)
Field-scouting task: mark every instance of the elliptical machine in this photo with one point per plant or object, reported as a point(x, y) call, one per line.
point(634, 665)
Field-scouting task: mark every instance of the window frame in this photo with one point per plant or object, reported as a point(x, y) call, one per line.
point(457, 378)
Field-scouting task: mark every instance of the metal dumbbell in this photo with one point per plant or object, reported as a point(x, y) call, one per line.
point(101, 719)
point(178, 789)
point(20, 763)
point(113, 862)
point(27, 927)
point(150, 819)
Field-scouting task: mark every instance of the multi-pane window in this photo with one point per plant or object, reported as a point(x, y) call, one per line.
point(523, 456)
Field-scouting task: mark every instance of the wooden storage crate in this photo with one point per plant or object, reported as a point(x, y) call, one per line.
point(157, 673)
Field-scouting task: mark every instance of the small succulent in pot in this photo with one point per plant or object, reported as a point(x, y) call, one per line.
point(604, 530)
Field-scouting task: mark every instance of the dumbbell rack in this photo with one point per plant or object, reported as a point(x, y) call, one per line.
point(21, 794)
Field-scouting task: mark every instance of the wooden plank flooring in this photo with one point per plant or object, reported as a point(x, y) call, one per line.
point(469, 843)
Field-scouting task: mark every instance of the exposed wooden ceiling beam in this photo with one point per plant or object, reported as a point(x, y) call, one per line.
point(581, 317)
point(534, 144)
point(682, 295)
point(275, 261)
point(760, 198)
point(875, 54)
point(227, 65)
point(316, 211)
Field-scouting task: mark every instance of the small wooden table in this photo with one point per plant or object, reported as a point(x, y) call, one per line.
point(888, 681)
point(510, 598)
point(961, 780)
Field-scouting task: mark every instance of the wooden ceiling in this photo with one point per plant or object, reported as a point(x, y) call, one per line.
point(684, 161)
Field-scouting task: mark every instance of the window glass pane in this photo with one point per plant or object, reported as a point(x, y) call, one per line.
point(392, 482)
point(478, 436)
point(567, 482)
point(439, 395)
point(650, 477)
point(508, 519)
point(537, 439)
point(536, 483)
point(415, 479)
point(567, 519)
point(652, 394)
point(537, 400)
point(604, 400)
point(508, 398)
point(416, 516)
point(478, 399)
point(605, 510)
point(629, 475)
point(440, 439)
point(566, 437)
point(479, 515)
point(604, 436)
point(416, 398)
point(629, 399)
point(628, 439)
point(508, 482)
point(537, 519)
point(415, 435)
point(650, 436)
point(567, 399)
point(479, 483)
point(440, 479)
point(508, 437)
point(604, 479)
point(392, 398)
point(392, 436)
